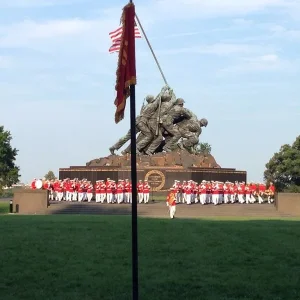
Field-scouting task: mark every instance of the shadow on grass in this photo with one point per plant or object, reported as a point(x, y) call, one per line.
point(92, 208)
point(88, 209)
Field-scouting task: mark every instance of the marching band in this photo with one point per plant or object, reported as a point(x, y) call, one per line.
point(217, 192)
point(187, 192)
point(83, 190)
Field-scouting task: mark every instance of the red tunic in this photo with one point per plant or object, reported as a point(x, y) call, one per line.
point(171, 199)
point(146, 188)
point(33, 185)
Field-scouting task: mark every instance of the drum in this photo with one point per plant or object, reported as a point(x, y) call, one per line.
point(39, 184)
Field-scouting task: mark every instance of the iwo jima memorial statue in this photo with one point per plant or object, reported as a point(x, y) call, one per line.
point(167, 136)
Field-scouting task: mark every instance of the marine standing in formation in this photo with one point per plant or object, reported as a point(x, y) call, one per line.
point(164, 123)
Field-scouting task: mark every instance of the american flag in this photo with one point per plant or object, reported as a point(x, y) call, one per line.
point(116, 38)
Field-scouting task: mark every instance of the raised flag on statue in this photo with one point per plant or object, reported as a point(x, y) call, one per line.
point(116, 36)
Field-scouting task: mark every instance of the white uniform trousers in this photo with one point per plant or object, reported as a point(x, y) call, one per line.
point(248, 198)
point(209, 198)
point(202, 199)
point(120, 197)
point(196, 197)
point(146, 197)
point(102, 197)
point(183, 198)
point(141, 197)
point(226, 198)
point(221, 198)
point(232, 198)
point(260, 199)
point(98, 197)
point(188, 198)
point(74, 195)
point(128, 197)
point(253, 200)
point(89, 196)
point(172, 211)
point(109, 197)
point(69, 196)
point(60, 196)
point(215, 199)
point(241, 198)
point(80, 196)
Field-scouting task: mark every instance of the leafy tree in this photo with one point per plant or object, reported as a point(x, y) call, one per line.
point(50, 176)
point(9, 172)
point(203, 148)
point(283, 169)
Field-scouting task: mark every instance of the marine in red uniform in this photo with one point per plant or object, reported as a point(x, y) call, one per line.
point(188, 193)
point(171, 203)
point(102, 191)
point(90, 191)
point(120, 191)
point(140, 190)
point(226, 192)
point(247, 194)
point(271, 193)
point(127, 191)
point(109, 194)
point(97, 189)
point(241, 192)
point(146, 191)
point(202, 192)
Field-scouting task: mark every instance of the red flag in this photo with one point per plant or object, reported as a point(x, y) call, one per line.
point(126, 72)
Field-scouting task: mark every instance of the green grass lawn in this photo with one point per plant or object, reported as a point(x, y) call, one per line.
point(89, 257)
point(4, 207)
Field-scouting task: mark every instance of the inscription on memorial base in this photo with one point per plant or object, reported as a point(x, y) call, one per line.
point(156, 179)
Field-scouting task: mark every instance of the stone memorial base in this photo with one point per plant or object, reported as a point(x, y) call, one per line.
point(28, 201)
point(160, 169)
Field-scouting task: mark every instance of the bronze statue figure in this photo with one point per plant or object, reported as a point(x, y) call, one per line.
point(164, 125)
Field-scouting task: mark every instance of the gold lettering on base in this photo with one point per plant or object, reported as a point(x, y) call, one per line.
point(156, 179)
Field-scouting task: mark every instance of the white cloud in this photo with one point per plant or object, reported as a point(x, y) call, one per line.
point(268, 58)
point(207, 8)
point(38, 35)
point(263, 63)
point(216, 49)
point(34, 3)
point(280, 31)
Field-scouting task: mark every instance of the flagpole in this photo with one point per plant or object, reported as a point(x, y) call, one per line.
point(134, 196)
point(154, 56)
point(134, 225)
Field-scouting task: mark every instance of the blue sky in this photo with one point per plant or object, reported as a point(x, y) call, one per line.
point(234, 62)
